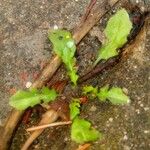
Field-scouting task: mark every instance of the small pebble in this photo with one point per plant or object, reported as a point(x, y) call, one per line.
point(138, 111)
point(146, 108)
point(55, 27)
point(36, 146)
point(141, 105)
point(28, 84)
point(125, 137)
point(66, 139)
point(93, 108)
point(110, 119)
point(125, 90)
point(146, 131)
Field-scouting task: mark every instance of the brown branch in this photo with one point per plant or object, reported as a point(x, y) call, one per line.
point(49, 125)
point(84, 27)
point(98, 69)
point(48, 117)
point(84, 146)
point(88, 10)
point(47, 73)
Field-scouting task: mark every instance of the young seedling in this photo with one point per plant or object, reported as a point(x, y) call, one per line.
point(23, 99)
point(114, 94)
point(74, 108)
point(116, 32)
point(81, 130)
point(64, 47)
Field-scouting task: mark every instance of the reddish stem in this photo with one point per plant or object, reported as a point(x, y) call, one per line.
point(26, 116)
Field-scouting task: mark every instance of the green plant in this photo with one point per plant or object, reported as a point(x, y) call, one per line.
point(116, 31)
point(114, 94)
point(64, 47)
point(74, 108)
point(81, 130)
point(23, 99)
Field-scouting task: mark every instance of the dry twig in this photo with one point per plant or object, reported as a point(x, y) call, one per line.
point(49, 117)
point(88, 10)
point(61, 123)
point(84, 146)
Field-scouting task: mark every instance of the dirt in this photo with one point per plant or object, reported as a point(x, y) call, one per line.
point(24, 50)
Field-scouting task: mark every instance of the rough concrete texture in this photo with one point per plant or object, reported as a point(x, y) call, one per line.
point(24, 48)
point(24, 44)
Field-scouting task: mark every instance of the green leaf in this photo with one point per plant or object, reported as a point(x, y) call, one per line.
point(116, 96)
point(48, 95)
point(103, 93)
point(107, 51)
point(64, 47)
point(90, 90)
point(23, 99)
point(74, 108)
point(119, 27)
point(82, 132)
point(117, 31)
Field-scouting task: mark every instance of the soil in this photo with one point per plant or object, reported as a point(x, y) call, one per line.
point(24, 50)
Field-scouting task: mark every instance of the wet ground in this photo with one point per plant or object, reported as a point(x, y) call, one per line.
point(24, 49)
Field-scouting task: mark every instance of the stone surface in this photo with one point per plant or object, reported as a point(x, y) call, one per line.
point(24, 49)
point(24, 46)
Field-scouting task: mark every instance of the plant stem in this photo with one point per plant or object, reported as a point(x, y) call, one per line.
point(49, 125)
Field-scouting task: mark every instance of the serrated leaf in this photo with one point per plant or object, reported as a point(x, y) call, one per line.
point(117, 96)
point(117, 31)
point(81, 131)
point(103, 93)
point(74, 108)
point(90, 90)
point(64, 47)
point(23, 99)
point(48, 95)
